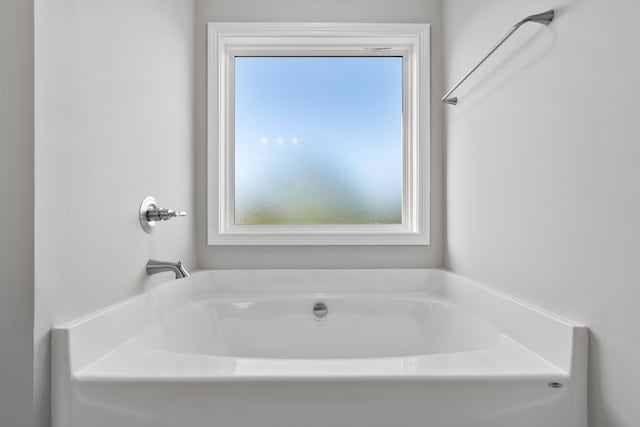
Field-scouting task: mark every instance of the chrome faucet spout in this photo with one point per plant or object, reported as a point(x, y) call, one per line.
point(177, 268)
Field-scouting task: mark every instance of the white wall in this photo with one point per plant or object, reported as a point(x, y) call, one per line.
point(429, 11)
point(114, 123)
point(543, 173)
point(16, 203)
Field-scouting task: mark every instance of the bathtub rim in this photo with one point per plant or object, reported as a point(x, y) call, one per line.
point(545, 333)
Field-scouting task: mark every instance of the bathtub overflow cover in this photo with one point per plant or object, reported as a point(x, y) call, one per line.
point(320, 309)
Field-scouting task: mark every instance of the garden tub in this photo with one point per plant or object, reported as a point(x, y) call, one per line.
point(320, 348)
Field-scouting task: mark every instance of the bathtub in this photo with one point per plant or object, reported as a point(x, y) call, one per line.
point(396, 348)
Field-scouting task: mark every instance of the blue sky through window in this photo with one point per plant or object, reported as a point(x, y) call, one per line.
point(318, 140)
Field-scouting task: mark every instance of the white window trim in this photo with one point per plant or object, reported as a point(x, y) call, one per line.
point(229, 39)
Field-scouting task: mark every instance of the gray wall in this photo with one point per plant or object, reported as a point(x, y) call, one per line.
point(543, 172)
point(429, 11)
point(16, 202)
point(114, 123)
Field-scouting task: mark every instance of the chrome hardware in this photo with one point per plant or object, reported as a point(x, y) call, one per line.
point(320, 310)
point(163, 214)
point(177, 268)
point(544, 18)
point(150, 214)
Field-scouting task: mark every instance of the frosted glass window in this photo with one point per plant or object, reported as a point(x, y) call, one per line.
point(318, 140)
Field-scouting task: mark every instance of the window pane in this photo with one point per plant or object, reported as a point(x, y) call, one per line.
point(318, 140)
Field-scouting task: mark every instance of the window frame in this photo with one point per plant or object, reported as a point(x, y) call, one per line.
point(226, 40)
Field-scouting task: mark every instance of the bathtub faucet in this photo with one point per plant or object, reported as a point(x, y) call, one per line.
point(154, 267)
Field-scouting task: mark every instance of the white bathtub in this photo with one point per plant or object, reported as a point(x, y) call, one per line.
point(398, 348)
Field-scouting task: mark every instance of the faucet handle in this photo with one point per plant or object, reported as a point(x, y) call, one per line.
point(150, 213)
point(163, 214)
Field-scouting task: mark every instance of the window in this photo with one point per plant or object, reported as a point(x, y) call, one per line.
point(318, 140)
point(318, 134)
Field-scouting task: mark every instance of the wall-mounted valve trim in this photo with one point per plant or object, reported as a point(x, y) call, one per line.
point(150, 214)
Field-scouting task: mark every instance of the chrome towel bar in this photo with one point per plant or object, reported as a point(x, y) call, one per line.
point(541, 18)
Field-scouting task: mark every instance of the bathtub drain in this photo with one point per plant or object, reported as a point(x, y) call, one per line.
point(320, 310)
